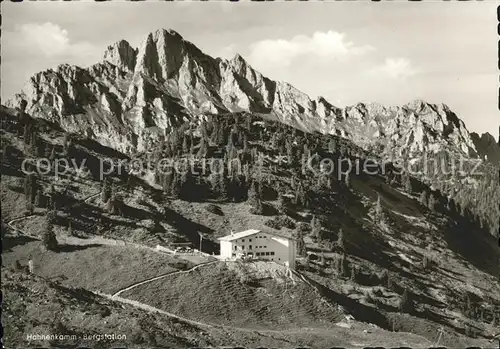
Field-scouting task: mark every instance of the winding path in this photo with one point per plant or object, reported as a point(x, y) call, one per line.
point(162, 276)
point(12, 221)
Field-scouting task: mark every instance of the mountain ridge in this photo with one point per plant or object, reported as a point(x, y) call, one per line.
point(136, 95)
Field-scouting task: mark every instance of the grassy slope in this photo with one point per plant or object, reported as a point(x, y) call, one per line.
point(217, 294)
point(81, 313)
point(93, 267)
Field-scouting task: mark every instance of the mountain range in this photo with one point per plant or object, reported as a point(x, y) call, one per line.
point(136, 95)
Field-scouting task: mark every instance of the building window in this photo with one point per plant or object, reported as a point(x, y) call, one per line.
point(272, 253)
point(249, 240)
point(235, 248)
point(249, 247)
point(242, 240)
point(267, 253)
point(234, 254)
point(257, 254)
point(279, 259)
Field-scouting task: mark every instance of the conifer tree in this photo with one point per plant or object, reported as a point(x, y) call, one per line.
point(315, 227)
point(110, 205)
point(348, 179)
point(223, 187)
point(38, 198)
point(175, 185)
point(29, 187)
point(353, 273)
point(282, 206)
point(52, 155)
point(253, 194)
point(404, 303)
point(423, 198)
point(431, 203)
point(332, 146)
point(106, 191)
point(378, 213)
point(407, 183)
point(202, 151)
point(258, 208)
point(49, 239)
point(191, 147)
point(301, 246)
point(245, 143)
point(187, 185)
point(322, 259)
point(313, 221)
point(340, 239)
point(29, 207)
point(185, 148)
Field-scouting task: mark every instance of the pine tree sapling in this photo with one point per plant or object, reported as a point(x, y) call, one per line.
point(301, 246)
point(353, 273)
point(404, 303)
point(423, 198)
point(17, 265)
point(106, 191)
point(378, 212)
point(340, 240)
point(408, 185)
point(348, 179)
point(426, 263)
point(432, 203)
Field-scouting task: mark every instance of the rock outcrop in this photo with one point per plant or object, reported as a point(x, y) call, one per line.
point(134, 96)
point(487, 147)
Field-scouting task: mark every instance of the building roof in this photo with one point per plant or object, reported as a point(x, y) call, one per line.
point(250, 232)
point(239, 235)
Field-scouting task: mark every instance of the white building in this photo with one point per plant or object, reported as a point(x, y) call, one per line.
point(257, 244)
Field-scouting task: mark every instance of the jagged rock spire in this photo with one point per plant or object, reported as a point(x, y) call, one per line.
point(121, 54)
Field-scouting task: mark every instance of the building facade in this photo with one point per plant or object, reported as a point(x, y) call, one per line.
point(259, 245)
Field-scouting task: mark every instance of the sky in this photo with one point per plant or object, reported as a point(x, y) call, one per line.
point(347, 52)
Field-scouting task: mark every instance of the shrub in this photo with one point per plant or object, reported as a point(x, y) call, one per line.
point(49, 240)
point(273, 223)
point(258, 209)
point(426, 263)
point(214, 209)
point(104, 311)
point(368, 297)
point(280, 222)
point(17, 265)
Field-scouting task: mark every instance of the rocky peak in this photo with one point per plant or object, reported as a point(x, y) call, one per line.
point(121, 54)
point(134, 93)
point(487, 147)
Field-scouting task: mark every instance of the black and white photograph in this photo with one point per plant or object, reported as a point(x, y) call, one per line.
point(250, 174)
